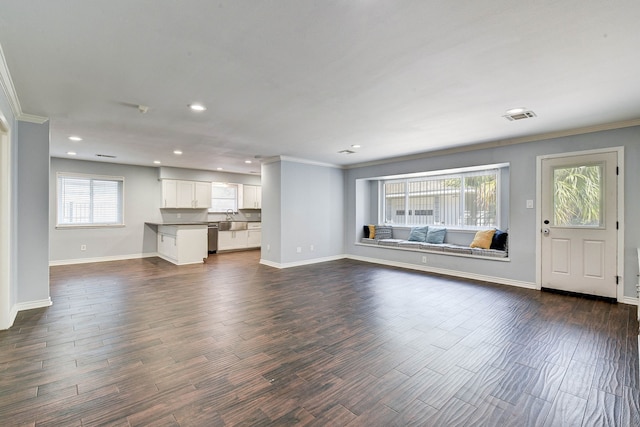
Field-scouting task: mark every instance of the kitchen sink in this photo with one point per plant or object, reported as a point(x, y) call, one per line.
point(232, 225)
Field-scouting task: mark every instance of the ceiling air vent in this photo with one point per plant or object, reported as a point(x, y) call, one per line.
point(346, 152)
point(520, 116)
point(108, 156)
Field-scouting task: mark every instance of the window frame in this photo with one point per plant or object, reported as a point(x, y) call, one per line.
point(90, 177)
point(235, 199)
point(461, 173)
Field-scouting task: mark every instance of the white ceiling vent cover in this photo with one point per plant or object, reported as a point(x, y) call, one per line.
point(520, 116)
point(346, 152)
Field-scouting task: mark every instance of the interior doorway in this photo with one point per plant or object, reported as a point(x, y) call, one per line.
point(579, 223)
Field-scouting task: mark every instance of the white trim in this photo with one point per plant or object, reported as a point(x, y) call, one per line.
point(32, 118)
point(620, 189)
point(30, 305)
point(276, 159)
point(454, 273)
point(7, 313)
point(9, 89)
point(7, 86)
point(303, 262)
point(500, 143)
point(629, 300)
point(102, 259)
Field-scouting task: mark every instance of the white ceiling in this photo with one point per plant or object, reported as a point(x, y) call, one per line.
point(308, 78)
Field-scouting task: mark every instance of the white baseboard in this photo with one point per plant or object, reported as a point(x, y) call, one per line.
point(300, 263)
point(29, 305)
point(101, 259)
point(454, 273)
point(629, 300)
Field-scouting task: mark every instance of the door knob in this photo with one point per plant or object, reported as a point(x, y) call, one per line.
point(545, 231)
point(546, 221)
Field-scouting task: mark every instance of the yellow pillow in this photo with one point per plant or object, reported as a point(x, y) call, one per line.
point(483, 239)
point(372, 231)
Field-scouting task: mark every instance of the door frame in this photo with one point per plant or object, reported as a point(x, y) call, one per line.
point(7, 311)
point(620, 212)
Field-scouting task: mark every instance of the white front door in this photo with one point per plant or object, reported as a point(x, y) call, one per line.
point(579, 221)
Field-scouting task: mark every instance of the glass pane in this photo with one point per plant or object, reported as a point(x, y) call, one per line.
point(578, 196)
point(480, 200)
point(394, 208)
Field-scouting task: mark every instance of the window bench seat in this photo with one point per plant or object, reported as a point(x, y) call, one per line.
point(456, 243)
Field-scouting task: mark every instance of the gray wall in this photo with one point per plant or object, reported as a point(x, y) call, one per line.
point(271, 212)
point(522, 227)
point(10, 289)
point(309, 198)
point(142, 191)
point(33, 209)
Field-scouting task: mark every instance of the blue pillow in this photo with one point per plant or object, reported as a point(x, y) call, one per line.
point(418, 234)
point(436, 235)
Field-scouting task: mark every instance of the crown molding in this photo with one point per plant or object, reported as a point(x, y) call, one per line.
point(12, 96)
point(502, 143)
point(275, 159)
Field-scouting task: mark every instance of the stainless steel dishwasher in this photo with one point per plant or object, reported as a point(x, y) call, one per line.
point(212, 237)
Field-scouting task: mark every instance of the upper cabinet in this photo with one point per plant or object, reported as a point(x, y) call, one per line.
point(186, 194)
point(251, 197)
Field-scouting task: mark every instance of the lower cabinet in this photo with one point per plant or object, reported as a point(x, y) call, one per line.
point(254, 239)
point(182, 244)
point(230, 240)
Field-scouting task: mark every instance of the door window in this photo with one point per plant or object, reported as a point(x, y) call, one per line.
point(578, 196)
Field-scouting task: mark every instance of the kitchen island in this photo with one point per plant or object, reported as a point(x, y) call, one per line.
point(182, 243)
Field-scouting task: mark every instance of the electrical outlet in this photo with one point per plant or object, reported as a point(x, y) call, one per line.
point(268, 247)
point(83, 247)
point(299, 249)
point(424, 259)
point(311, 248)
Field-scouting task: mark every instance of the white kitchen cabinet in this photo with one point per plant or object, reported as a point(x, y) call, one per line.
point(254, 238)
point(232, 240)
point(182, 244)
point(251, 197)
point(186, 194)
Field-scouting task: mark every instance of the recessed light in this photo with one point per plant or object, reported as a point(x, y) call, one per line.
point(157, 162)
point(356, 146)
point(197, 107)
point(248, 162)
point(75, 138)
point(71, 153)
point(219, 169)
point(177, 152)
point(516, 110)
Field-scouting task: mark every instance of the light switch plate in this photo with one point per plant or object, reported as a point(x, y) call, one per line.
point(529, 204)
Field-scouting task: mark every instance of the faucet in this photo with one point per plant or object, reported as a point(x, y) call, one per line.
point(229, 215)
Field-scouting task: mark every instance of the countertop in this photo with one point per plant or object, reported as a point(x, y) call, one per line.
point(178, 223)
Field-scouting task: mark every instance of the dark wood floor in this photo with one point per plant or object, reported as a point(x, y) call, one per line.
point(230, 342)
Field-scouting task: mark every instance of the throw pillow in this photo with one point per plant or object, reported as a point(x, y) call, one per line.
point(365, 230)
point(436, 235)
point(499, 240)
point(383, 232)
point(372, 231)
point(483, 239)
point(418, 234)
